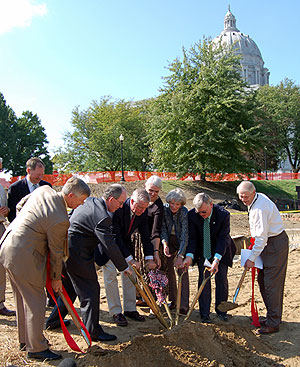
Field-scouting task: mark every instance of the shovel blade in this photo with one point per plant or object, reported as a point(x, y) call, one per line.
point(225, 306)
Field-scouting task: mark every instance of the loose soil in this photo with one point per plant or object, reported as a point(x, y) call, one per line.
point(191, 343)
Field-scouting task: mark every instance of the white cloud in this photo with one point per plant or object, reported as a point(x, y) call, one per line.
point(19, 13)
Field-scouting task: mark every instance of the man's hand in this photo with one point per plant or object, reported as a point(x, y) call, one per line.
point(135, 263)
point(128, 271)
point(157, 259)
point(151, 265)
point(187, 262)
point(214, 267)
point(56, 285)
point(179, 262)
point(166, 249)
point(249, 264)
point(4, 210)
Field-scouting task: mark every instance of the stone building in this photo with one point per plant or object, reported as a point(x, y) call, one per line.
point(253, 70)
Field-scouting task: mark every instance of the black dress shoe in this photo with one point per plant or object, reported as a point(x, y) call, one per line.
point(104, 337)
point(5, 312)
point(134, 315)
point(50, 302)
point(56, 324)
point(223, 317)
point(268, 330)
point(206, 319)
point(45, 354)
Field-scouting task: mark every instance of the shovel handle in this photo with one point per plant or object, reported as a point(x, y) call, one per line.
point(74, 318)
point(205, 280)
point(178, 300)
point(239, 285)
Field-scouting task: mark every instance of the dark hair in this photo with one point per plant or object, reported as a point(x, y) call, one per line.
point(34, 162)
point(114, 190)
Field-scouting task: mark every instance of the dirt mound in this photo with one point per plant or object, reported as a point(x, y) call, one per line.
point(189, 344)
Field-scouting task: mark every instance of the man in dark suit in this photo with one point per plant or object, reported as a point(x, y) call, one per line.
point(91, 226)
point(209, 228)
point(35, 169)
point(131, 217)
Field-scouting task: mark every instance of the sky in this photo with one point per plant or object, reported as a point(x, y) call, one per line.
point(56, 55)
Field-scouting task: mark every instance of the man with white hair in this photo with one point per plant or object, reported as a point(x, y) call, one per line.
point(271, 243)
point(130, 217)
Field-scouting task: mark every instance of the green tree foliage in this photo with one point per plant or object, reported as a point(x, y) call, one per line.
point(203, 120)
point(280, 106)
point(21, 138)
point(94, 144)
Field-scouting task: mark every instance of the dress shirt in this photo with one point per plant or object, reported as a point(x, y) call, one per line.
point(30, 184)
point(216, 256)
point(265, 221)
point(3, 201)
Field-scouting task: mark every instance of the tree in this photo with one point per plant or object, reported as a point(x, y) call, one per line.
point(203, 120)
point(281, 117)
point(94, 144)
point(21, 138)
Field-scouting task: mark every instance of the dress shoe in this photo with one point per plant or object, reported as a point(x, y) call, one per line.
point(5, 312)
point(56, 324)
point(134, 315)
point(104, 337)
point(120, 319)
point(268, 330)
point(223, 316)
point(183, 311)
point(50, 302)
point(263, 321)
point(45, 354)
point(206, 319)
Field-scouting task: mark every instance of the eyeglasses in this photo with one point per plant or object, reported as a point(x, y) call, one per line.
point(120, 202)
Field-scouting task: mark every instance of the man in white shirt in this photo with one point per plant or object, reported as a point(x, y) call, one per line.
point(271, 243)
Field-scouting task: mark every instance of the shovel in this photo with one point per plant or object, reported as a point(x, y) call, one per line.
point(225, 306)
point(178, 300)
point(75, 320)
point(197, 295)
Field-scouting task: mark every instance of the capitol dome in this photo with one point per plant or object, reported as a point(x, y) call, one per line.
point(253, 70)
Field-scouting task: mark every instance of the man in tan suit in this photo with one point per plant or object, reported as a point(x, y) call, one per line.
point(39, 230)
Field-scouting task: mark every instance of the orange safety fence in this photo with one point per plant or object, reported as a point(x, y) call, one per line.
point(59, 179)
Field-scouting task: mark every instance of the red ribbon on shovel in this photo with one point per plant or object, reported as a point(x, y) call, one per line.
point(254, 312)
point(70, 341)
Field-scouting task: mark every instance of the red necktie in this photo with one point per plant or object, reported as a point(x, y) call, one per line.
point(131, 223)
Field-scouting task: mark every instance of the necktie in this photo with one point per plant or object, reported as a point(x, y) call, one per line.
point(34, 186)
point(131, 223)
point(206, 239)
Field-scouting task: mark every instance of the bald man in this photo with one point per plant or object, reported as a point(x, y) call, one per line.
point(271, 243)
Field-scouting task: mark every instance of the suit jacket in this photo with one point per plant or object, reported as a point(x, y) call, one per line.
point(40, 228)
point(121, 224)
point(16, 192)
point(221, 242)
point(91, 229)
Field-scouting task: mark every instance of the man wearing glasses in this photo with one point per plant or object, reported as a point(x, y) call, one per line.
point(130, 217)
point(91, 228)
point(209, 239)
